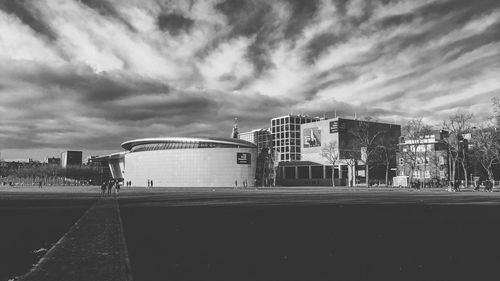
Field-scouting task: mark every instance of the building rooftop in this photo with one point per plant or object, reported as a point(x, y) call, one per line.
point(128, 145)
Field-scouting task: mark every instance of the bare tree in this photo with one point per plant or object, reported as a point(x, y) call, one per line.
point(274, 154)
point(485, 147)
point(367, 137)
point(458, 125)
point(330, 153)
point(350, 157)
point(386, 152)
point(414, 142)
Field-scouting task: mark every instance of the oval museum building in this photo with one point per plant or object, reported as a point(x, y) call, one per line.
point(188, 162)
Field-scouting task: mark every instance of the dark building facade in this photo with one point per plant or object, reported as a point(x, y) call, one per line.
point(71, 158)
point(346, 135)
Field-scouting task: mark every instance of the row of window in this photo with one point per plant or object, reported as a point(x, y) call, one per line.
point(303, 172)
point(284, 128)
point(287, 148)
point(287, 142)
point(179, 145)
point(286, 135)
point(289, 157)
point(291, 120)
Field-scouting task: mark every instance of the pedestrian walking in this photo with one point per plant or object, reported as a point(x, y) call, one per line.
point(103, 188)
point(488, 186)
point(40, 184)
point(148, 183)
point(151, 183)
point(236, 184)
point(117, 187)
point(110, 186)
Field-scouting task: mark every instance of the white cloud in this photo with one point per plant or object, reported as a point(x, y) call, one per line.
point(19, 42)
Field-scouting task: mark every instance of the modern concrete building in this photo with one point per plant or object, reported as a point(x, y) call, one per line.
point(71, 157)
point(285, 132)
point(313, 169)
point(260, 137)
point(186, 162)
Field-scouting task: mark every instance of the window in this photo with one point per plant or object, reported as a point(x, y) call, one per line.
point(328, 172)
point(289, 172)
point(303, 172)
point(317, 172)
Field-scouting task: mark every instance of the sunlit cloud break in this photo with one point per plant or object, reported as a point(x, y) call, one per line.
point(94, 73)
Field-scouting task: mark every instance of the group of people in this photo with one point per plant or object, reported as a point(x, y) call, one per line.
point(487, 185)
point(150, 183)
point(245, 184)
point(108, 185)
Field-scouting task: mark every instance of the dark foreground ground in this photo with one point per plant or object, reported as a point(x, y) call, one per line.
point(296, 234)
point(31, 223)
point(313, 236)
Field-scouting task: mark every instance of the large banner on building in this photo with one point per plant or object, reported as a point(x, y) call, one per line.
point(312, 137)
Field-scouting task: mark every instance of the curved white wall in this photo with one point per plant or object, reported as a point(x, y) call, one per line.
point(199, 167)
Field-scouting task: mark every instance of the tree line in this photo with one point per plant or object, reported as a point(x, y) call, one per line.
point(468, 142)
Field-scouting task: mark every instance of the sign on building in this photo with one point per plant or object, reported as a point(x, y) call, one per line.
point(243, 158)
point(337, 126)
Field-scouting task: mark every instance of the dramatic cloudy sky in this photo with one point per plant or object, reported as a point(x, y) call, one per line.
point(91, 74)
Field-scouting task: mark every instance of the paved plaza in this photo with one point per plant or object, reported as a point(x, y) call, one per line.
point(247, 234)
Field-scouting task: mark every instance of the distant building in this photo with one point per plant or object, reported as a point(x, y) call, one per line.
point(431, 157)
point(53, 161)
point(262, 138)
point(18, 160)
point(285, 131)
point(101, 165)
point(71, 157)
point(312, 169)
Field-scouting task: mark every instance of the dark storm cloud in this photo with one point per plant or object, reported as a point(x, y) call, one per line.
point(174, 23)
point(253, 18)
point(85, 85)
point(177, 108)
point(105, 8)
point(321, 43)
point(22, 10)
point(302, 13)
point(245, 17)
